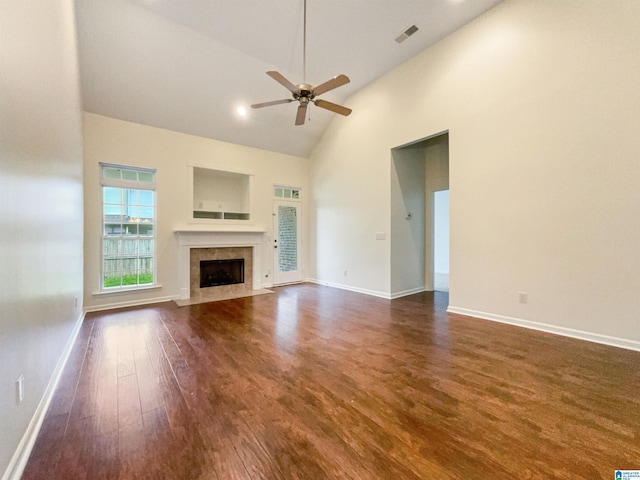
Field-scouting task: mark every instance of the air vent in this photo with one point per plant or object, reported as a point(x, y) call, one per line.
point(406, 34)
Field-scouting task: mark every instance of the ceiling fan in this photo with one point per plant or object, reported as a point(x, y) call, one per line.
point(305, 93)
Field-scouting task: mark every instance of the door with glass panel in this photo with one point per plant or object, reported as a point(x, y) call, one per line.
point(286, 242)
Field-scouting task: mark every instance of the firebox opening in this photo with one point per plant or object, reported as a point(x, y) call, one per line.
point(221, 272)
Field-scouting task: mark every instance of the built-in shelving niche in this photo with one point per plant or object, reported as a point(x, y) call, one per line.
point(221, 195)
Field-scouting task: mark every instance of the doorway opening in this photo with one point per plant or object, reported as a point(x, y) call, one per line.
point(420, 216)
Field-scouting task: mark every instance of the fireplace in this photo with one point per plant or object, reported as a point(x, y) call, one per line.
point(208, 243)
point(214, 273)
point(220, 271)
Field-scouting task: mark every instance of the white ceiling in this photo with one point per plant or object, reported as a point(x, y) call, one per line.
point(186, 65)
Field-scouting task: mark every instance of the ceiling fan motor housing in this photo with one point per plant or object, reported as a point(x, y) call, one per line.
point(304, 91)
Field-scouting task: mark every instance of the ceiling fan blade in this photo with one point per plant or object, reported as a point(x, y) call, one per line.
point(268, 104)
point(333, 107)
point(302, 114)
point(278, 77)
point(335, 82)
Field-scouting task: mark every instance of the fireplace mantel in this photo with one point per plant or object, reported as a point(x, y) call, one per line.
point(217, 228)
point(217, 236)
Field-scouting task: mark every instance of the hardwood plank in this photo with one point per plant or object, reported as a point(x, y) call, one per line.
point(48, 447)
point(64, 395)
point(131, 440)
point(317, 383)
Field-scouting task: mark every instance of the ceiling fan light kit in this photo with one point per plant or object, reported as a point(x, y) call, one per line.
point(305, 93)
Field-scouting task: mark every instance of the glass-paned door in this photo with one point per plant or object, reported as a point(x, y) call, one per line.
point(286, 242)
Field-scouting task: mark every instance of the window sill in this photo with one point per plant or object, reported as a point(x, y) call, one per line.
point(126, 290)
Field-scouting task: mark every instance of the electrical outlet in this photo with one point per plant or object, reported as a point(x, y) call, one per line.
point(523, 297)
point(344, 273)
point(20, 389)
point(75, 302)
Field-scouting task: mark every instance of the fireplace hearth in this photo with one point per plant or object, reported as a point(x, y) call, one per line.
point(214, 273)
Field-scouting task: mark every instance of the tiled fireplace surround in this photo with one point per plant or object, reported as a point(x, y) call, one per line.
point(196, 245)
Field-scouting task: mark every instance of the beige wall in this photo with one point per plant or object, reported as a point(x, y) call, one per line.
point(115, 141)
point(40, 209)
point(540, 101)
point(407, 235)
point(436, 153)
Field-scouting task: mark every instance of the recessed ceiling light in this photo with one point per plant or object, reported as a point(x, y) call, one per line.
point(242, 111)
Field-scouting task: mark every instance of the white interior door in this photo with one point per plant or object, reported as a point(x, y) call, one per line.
point(287, 267)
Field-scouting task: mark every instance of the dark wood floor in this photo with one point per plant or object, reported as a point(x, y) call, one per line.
point(313, 382)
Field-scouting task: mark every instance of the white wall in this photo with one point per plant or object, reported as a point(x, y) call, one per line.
point(407, 239)
point(115, 141)
point(436, 153)
point(441, 240)
point(350, 205)
point(540, 101)
point(40, 207)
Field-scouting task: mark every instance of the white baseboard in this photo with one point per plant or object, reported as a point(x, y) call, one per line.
point(349, 288)
point(373, 293)
point(21, 456)
point(545, 327)
point(365, 291)
point(407, 292)
point(297, 282)
point(130, 303)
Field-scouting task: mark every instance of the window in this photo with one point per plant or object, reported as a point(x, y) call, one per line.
point(292, 193)
point(128, 227)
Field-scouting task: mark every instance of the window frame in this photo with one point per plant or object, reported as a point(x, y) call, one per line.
point(130, 185)
point(295, 193)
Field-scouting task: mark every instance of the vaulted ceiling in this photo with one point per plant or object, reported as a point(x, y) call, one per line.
point(187, 65)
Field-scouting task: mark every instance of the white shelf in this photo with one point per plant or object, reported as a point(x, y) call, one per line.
point(218, 228)
point(220, 195)
point(212, 215)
